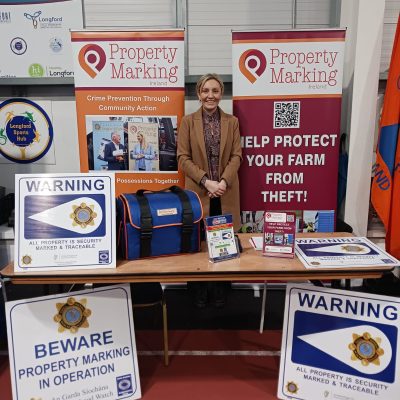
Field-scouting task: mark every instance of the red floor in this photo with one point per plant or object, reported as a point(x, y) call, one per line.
point(200, 377)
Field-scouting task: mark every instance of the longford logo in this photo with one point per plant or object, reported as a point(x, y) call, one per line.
point(92, 59)
point(34, 17)
point(252, 64)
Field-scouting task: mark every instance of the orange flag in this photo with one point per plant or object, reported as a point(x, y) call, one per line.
point(385, 191)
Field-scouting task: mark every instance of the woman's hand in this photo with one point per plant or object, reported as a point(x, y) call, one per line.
point(214, 188)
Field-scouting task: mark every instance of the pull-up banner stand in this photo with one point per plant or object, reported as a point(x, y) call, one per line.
point(287, 90)
point(129, 89)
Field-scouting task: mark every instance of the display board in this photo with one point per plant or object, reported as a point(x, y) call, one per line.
point(130, 93)
point(287, 88)
point(36, 40)
point(64, 222)
point(72, 351)
point(339, 344)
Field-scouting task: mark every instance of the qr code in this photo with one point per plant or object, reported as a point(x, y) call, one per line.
point(286, 114)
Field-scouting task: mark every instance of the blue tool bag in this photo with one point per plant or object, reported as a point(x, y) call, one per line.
point(152, 224)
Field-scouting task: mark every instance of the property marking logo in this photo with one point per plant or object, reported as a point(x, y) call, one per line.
point(92, 59)
point(252, 64)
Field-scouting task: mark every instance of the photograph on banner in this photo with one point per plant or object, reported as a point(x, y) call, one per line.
point(36, 39)
point(64, 222)
point(306, 221)
point(26, 132)
point(73, 351)
point(132, 143)
point(287, 89)
point(339, 344)
point(143, 146)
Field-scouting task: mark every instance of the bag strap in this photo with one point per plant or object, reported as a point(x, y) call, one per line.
point(146, 224)
point(187, 218)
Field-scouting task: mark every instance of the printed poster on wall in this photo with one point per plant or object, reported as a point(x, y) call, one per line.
point(339, 344)
point(26, 132)
point(64, 221)
point(35, 39)
point(287, 89)
point(78, 347)
point(129, 89)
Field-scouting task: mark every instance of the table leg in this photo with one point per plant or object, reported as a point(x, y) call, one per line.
point(264, 300)
point(3, 288)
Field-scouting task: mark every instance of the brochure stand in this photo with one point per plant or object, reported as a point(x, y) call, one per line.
point(220, 238)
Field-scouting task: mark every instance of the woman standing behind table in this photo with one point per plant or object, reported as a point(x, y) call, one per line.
point(209, 154)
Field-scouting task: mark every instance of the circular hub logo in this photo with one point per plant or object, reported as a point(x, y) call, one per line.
point(26, 132)
point(18, 46)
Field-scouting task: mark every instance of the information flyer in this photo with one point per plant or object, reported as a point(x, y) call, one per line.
point(341, 252)
point(339, 344)
point(279, 233)
point(78, 347)
point(220, 238)
point(64, 221)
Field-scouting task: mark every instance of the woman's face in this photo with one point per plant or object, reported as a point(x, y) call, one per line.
point(139, 138)
point(210, 95)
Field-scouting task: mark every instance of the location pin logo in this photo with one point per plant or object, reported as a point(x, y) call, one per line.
point(92, 59)
point(252, 64)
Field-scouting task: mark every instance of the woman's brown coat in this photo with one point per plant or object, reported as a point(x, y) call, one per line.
point(192, 160)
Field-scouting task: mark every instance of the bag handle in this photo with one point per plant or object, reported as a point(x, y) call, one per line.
point(146, 221)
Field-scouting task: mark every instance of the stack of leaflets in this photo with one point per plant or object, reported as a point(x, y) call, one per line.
point(341, 252)
point(220, 238)
point(279, 233)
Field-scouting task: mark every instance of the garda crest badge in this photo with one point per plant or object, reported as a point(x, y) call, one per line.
point(366, 349)
point(72, 315)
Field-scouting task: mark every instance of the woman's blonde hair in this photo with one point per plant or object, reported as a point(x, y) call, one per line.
point(144, 144)
point(208, 77)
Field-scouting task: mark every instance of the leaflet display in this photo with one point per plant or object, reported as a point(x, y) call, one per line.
point(220, 238)
point(279, 233)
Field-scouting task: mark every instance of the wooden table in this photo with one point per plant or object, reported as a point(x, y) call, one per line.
point(251, 266)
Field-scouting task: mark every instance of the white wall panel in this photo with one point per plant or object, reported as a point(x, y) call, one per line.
point(312, 12)
point(130, 14)
point(392, 9)
point(210, 24)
